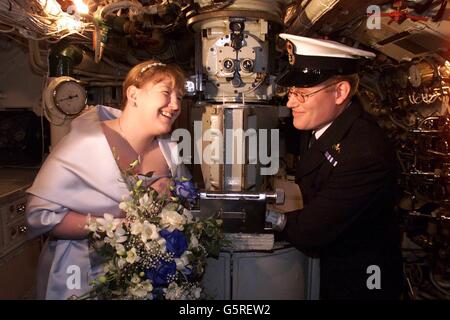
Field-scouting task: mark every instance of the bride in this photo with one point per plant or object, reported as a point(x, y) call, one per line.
point(83, 174)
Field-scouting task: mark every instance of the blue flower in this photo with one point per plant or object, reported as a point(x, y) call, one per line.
point(159, 276)
point(185, 189)
point(176, 242)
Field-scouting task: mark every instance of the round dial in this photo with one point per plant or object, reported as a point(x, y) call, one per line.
point(69, 96)
point(414, 76)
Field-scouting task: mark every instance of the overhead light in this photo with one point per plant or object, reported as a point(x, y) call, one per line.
point(51, 7)
point(69, 23)
point(80, 6)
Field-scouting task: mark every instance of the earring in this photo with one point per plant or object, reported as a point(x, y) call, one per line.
point(134, 104)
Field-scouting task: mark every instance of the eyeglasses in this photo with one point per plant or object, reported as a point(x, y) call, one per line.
point(302, 97)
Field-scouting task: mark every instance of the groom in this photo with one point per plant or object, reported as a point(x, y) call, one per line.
point(346, 173)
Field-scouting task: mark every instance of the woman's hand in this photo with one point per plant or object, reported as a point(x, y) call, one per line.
point(162, 186)
point(71, 227)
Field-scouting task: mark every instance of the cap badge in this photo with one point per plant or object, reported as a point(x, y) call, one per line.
point(337, 147)
point(291, 54)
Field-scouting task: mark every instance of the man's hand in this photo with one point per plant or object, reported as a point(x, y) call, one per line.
point(277, 219)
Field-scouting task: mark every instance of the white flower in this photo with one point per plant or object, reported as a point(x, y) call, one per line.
point(91, 224)
point(149, 246)
point(172, 220)
point(108, 224)
point(145, 202)
point(162, 244)
point(109, 267)
point(147, 285)
point(132, 256)
point(149, 231)
point(129, 208)
point(136, 228)
point(193, 243)
point(120, 249)
point(142, 290)
point(197, 292)
point(118, 237)
point(173, 292)
point(183, 261)
point(136, 279)
point(187, 213)
point(121, 263)
point(123, 206)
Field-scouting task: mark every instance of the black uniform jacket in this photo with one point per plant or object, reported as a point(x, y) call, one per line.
point(348, 183)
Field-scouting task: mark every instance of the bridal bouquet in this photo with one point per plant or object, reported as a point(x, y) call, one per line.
point(159, 250)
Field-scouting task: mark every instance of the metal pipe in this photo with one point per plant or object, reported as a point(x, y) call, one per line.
point(276, 196)
point(233, 196)
point(35, 57)
point(426, 131)
point(427, 174)
point(310, 14)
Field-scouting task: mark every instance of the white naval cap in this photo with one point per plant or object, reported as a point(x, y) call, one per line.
point(312, 61)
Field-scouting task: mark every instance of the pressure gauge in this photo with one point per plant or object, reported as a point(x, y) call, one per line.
point(421, 73)
point(65, 95)
point(69, 96)
point(414, 76)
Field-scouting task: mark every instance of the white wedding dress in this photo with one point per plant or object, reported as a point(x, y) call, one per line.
point(81, 175)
